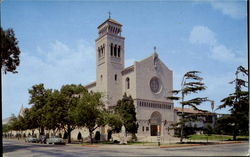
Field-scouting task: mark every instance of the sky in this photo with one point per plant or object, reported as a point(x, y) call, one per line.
point(57, 42)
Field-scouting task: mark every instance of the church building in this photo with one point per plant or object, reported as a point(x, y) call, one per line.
point(148, 81)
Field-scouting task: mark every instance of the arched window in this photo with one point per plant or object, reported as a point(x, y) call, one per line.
point(119, 50)
point(103, 49)
point(127, 83)
point(115, 50)
point(111, 49)
point(101, 78)
point(99, 53)
point(115, 77)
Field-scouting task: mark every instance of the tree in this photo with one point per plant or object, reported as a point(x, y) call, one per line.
point(239, 104)
point(70, 95)
point(208, 130)
point(191, 83)
point(5, 128)
point(54, 108)
point(15, 124)
point(30, 121)
point(38, 98)
point(114, 121)
point(89, 112)
point(9, 51)
point(126, 109)
point(223, 125)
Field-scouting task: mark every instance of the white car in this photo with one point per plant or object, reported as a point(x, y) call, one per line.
point(31, 139)
point(55, 140)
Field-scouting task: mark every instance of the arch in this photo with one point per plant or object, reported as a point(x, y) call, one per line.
point(115, 77)
point(97, 136)
point(109, 134)
point(101, 77)
point(155, 118)
point(99, 52)
point(115, 50)
point(127, 83)
point(103, 50)
point(79, 136)
point(155, 121)
point(119, 50)
point(111, 49)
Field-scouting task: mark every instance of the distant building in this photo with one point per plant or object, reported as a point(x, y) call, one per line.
point(6, 120)
point(205, 118)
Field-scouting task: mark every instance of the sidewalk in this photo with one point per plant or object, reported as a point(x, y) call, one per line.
point(155, 145)
point(150, 145)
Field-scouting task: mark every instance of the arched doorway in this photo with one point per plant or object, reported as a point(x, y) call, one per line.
point(97, 136)
point(155, 120)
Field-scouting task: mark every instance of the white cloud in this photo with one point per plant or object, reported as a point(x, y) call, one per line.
point(221, 52)
point(202, 35)
point(59, 64)
point(231, 8)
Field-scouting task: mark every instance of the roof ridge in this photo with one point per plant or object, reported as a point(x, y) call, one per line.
point(109, 20)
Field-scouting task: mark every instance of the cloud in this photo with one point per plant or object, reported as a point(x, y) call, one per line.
point(221, 52)
point(202, 35)
point(234, 9)
point(61, 63)
point(55, 65)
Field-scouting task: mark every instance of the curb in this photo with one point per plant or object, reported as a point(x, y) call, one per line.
point(190, 145)
point(89, 146)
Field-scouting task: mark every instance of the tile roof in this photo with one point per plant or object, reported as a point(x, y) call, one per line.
point(128, 70)
point(92, 84)
point(187, 110)
point(110, 20)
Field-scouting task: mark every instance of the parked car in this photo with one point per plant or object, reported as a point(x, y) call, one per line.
point(31, 139)
point(55, 140)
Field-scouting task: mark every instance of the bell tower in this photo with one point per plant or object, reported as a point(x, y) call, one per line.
point(109, 61)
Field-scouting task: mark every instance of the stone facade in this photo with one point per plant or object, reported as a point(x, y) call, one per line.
point(148, 81)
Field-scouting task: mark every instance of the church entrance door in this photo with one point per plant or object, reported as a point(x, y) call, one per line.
point(155, 120)
point(153, 130)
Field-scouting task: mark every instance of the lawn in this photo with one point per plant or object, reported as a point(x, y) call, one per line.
point(216, 137)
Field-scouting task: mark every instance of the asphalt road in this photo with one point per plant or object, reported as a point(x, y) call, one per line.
point(13, 148)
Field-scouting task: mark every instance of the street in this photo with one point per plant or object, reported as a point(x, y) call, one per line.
point(14, 148)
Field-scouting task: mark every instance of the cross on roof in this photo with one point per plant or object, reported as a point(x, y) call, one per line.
point(109, 14)
point(154, 48)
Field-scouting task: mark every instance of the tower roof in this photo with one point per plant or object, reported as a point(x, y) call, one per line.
point(110, 20)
